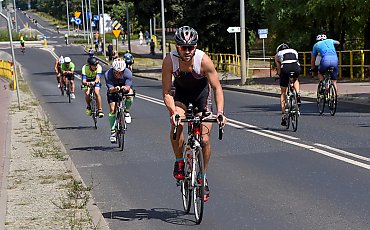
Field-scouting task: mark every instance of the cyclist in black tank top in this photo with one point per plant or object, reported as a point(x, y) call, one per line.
point(194, 77)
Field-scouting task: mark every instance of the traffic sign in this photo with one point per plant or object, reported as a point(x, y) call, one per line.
point(77, 14)
point(78, 21)
point(263, 31)
point(116, 33)
point(116, 25)
point(72, 19)
point(93, 24)
point(96, 18)
point(233, 29)
point(88, 15)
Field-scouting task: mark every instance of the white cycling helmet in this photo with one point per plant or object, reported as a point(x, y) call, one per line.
point(67, 60)
point(320, 37)
point(119, 64)
point(61, 60)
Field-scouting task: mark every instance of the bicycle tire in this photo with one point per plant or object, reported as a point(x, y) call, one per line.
point(94, 113)
point(123, 130)
point(69, 92)
point(118, 129)
point(294, 111)
point(198, 191)
point(320, 99)
point(186, 190)
point(62, 89)
point(287, 112)
point(332, 99)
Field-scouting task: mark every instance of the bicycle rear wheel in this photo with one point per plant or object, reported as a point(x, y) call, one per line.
point(118, 129)
point(198, 191)
point(332, 99)
point(320, 99)
point(294, 111)
point(186, 189)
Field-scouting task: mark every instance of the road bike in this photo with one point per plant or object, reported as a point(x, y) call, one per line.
point(68, 88)
point(121, 125)
point(93, 107)
point(326, 93)
point(291, 107)
point(193, 185)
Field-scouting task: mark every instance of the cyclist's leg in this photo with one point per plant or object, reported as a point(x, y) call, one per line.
point(129, 101)
point(98, 100)
point(206, 144)
point(177, 145)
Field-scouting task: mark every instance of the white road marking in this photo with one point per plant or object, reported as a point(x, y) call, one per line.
point(285, 139)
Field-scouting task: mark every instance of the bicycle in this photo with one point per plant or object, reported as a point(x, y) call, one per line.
point(291, 106)
point(121, 125)
point(194, 183)
point(327, 93)
point(68, 88)
point(93, 107)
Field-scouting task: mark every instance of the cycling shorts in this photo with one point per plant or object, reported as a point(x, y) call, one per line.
point(203, 101)
point(70, 76)
point(112, 97)
point(329, 61)
point(22, 44)
point(286, 69)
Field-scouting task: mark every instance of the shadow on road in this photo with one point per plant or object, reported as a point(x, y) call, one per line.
point(171, 216)
point(94, 148)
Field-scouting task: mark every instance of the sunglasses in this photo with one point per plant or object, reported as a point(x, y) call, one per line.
point(184, 48)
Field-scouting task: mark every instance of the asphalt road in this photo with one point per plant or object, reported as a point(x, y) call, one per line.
point(261, 176)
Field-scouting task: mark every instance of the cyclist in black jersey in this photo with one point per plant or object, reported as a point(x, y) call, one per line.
point(194, 77)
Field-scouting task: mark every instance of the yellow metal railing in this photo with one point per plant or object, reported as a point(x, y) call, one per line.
point(351, 63)
point(6, 70)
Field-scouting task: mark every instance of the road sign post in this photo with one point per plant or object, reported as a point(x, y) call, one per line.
point(234, 30)
point(263, 34)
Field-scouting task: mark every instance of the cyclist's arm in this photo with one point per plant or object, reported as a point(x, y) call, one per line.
point(210, 71)
point(166, 85)
point(278, 65)
point(110, 83)
point(56, 68)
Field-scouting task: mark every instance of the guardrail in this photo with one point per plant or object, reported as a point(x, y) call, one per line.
point(7, 71)
point(351, 63)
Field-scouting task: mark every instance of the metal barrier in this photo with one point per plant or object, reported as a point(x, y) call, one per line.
point(351, 63)
point(7, 70)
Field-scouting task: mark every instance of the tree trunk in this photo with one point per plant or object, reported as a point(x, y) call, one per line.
point(367, 41)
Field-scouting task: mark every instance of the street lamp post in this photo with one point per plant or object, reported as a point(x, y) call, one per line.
point(128, 28)
point(102, 8)
point(242, 44)
point(90, 20)
point(83, 18)
point(67, 17)
point(15, 16)
point(163, 31)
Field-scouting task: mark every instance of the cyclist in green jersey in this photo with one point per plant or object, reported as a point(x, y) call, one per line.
point(68, 72)
point(91, 73)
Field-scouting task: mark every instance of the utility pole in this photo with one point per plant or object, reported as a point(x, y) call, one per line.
point(15, 16)
point(67, 17)
point(243, 55)
point(102, 8)
point(128, 28)
point(163, 31)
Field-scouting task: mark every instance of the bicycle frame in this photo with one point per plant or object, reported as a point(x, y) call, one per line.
point(327, 93)
point(194, 182)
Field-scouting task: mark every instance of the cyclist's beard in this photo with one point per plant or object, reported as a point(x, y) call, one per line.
point(185, 59)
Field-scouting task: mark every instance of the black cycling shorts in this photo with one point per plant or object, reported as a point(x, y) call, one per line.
point(203, 101)
point(286, 69)
point(70, 76)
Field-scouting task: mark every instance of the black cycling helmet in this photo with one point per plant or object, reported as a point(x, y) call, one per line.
point(282, 46)
point(92, 61)
point(186, 36)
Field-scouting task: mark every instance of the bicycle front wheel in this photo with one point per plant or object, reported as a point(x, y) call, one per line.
point(186, 188)
point(332, 99)
point(320, 99)
point(94, 112)
point(198, 191)
point(122, 131)
point(294, 111)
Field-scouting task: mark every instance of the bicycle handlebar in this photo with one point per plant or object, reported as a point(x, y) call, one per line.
point(214, 120)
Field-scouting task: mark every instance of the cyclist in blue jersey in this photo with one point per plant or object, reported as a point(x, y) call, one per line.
point(326, 48)
point(195, 78)
point(118, 78)
point(91, 73)
point(129, 59)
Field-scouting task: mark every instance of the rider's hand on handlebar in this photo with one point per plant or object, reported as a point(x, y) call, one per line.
point(222, 120)
point(173, 119)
